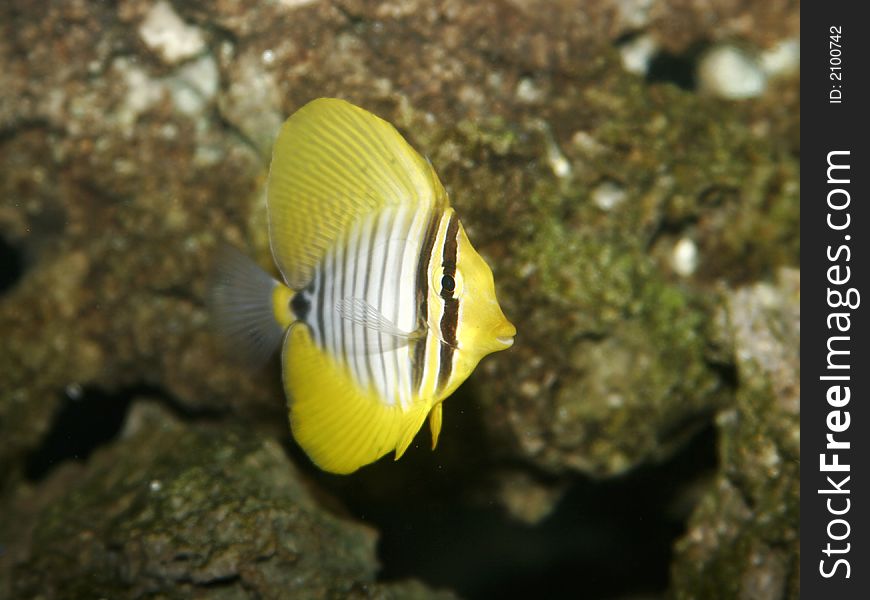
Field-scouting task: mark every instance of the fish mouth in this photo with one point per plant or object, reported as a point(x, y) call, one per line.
point(505, 334)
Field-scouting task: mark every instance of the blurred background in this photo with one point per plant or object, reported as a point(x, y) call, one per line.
point(629, 170)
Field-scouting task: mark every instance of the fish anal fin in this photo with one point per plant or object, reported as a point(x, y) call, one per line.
point(340, 426)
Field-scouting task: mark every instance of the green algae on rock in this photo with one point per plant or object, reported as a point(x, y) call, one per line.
point(744, 538)
point(615, 365)
point(586, 277)
point(178, 512)
point(121, 171)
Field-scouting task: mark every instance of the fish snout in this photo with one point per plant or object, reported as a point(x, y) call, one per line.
point(505, 333)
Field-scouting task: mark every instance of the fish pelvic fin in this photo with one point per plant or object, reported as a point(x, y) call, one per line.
point(435, 416)
point(339, 425)
point(249, 309)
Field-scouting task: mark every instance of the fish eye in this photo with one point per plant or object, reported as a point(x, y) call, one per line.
point(447, 284)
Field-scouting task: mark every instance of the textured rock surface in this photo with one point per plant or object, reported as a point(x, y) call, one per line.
point(744, 538)
point(176, 512)
point(119, 254)
point(616, 208)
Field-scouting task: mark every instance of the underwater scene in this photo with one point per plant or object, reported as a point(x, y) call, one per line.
point(399, 299)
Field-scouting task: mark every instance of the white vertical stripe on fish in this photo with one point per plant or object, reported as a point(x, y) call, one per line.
point(349, 260)
point(360, 258)
point(377, 262)
point(404, 300)
point(371, 230)
point(374, 296)
point(329, 305)
point(408, 317)
point(392, 241)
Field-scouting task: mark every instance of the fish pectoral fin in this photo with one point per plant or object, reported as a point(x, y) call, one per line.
point(341, 426)
point(363, 314)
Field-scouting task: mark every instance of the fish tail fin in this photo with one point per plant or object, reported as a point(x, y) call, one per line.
point(249, 309)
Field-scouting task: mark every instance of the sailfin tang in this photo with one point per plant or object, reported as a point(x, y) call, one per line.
point(340, 426)
point(333, 163)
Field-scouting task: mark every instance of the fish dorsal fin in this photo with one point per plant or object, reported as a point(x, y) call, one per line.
point(333, 163)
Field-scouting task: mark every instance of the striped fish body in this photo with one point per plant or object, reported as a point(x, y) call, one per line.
point(386, 306)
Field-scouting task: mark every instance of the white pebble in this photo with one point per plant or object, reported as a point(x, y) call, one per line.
point(528, 92)
point(731, 73)
point(558, 163)
point(142, 91)
point(74, 391)
point(295, 3)
point(195, 85)
point(166, 33)
point(634, 14)
point(684, 259)
point(608, 195)
point(638, 53)
point(783, 59)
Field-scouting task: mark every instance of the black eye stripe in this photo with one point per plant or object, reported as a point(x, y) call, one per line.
point(448, 283)
point(423, 296)
point(450, 317)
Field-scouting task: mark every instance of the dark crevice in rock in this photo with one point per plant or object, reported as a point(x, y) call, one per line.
point(480, 552)
point(86, 419)
point(220, 581)
point(236, 132)
point(11, 265)
point(9, 131)
point(714, 198)
point(90, 417)
point(676, 69)
point(727, 372)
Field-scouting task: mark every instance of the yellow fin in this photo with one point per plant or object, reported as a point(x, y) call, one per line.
point(340, 426)
point(435, 423)
point(334, 162)
point(413, 422)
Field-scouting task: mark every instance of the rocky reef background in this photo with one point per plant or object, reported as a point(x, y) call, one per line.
point(629, 168)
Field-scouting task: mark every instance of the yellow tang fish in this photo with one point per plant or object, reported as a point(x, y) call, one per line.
point(386, 307)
